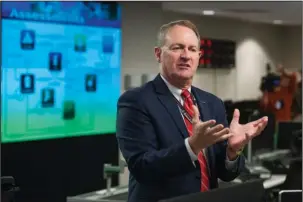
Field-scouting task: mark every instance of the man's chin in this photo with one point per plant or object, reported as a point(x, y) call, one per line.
point(185, 75)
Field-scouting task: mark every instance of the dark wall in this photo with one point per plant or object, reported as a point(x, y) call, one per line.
point(53, 169)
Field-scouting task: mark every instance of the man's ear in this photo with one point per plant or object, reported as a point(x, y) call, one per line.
point(158, 53)
point(200, 53)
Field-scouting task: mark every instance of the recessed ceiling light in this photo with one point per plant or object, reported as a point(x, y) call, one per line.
point(208, 12)
point(277, 22)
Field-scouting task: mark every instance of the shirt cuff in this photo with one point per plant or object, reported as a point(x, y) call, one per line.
point(192, 155)
point(231, 165)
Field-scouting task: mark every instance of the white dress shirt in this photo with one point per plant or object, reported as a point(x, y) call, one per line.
point(177, 93)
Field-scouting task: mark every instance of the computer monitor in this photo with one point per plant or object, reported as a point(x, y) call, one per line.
point(246, 107)
point(264, 141)
point(290, 195)
point(286, 131)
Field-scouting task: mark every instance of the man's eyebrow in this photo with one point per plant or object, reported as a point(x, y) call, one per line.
point(193, 46)
point(179, 44)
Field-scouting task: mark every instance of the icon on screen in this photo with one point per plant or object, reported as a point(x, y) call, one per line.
point(46, 7)
point(55, 61)
point(27, 83)
point(68, 110)
point(80, 43)
point(27, 39)
point(91, 83)
point(47, 97)
point(108, 44)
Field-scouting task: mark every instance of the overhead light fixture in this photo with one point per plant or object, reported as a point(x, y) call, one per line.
point(277, 22)
point(208, 12)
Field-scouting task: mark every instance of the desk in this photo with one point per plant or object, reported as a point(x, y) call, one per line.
point(119, 194)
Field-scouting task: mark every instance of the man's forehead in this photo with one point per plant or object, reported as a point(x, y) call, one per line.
point(185, 40)
point(175, 41)
point(181, 32)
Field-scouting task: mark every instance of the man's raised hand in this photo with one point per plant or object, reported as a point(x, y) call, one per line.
point(206, 133)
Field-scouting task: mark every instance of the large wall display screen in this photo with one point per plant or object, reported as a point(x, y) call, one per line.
point(61, 65)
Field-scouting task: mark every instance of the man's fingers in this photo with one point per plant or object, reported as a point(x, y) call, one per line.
point(207, 124)
point(264, 126)
point(258, 131)
point(236, 116)
point(215, 129)
point(224, 137)
point(261, 120)
point(260, 128)
point(196, 117)
point(221, 133)
point(256, 122)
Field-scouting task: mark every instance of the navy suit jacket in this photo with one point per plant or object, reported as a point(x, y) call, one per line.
point(151, 133)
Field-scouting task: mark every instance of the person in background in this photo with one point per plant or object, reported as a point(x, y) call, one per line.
point(175, 137)
point(281, 99)
point(297, 100)
point(268, 83)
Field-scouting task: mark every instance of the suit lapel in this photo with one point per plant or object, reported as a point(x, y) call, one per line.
point(202, 105)
point(168, 101)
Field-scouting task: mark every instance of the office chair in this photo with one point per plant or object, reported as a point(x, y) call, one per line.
point(296, 143)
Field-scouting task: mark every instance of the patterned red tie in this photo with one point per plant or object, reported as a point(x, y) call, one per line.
point(188, 103)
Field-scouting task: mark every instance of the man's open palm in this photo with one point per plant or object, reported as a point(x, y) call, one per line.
point(243, 133)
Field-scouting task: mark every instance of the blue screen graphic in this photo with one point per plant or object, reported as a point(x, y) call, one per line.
point(61, 66)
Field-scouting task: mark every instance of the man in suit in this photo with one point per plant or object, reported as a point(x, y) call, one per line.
point(175, 137)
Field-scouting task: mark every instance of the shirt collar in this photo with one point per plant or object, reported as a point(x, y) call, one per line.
point(174, 90)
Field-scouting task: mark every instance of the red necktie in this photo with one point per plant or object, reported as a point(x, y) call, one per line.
point(188, 103)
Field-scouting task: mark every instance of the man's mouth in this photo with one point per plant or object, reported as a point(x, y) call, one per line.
point(183, 65)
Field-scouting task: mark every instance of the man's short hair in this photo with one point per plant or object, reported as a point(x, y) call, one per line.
point(166, 27)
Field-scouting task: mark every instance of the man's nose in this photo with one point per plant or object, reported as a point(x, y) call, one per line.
point(185, 55)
